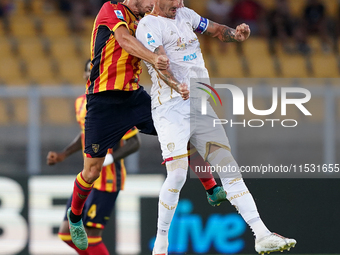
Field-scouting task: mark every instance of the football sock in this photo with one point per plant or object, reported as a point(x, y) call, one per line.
point(161, 242)
point(81, 190)
point(237, 192)
point(258, 228)
point(211, 191)
point(206, 178)
point(96, 246)
point(168, 199)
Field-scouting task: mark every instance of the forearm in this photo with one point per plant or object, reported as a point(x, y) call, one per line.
point(168, 77)
point(131, 145)
point(222, 32)
point(73, 147)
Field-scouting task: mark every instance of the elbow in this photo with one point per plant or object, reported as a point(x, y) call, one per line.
point(135, 147)
point(136, 143)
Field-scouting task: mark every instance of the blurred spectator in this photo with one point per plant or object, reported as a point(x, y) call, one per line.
point(217, 11)
point(280, 26)
point(64, 6)
point(251, 13)
point(316, 22)
point(76, 10)
point(6, 7)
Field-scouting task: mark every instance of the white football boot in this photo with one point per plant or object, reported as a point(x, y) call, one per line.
point(273, 242)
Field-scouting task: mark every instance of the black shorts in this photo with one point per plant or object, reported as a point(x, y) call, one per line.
point(111, 114)
point(97, 209)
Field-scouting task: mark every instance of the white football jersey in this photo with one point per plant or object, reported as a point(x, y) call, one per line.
point(181, 45)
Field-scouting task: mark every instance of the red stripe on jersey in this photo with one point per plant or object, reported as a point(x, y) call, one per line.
point(117, 52)
point(129, 69)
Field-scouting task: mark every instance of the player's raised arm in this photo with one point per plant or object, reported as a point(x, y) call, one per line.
point(132, 46)
point(227, 34)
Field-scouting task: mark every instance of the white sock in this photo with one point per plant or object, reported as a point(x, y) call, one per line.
point(237, 192)
point(168, 199)
point(161, 242)
point(258, 228)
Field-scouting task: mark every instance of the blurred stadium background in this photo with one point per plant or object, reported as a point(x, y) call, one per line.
point(43, 47)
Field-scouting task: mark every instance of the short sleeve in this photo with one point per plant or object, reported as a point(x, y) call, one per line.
point(113, 16)
point(198, 23)
point(149, 34)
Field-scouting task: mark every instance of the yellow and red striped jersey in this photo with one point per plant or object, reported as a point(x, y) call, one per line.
point(112, 177)
point(112, 67)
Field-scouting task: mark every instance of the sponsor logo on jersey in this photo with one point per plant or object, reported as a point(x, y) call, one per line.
point(119, 14)
point(150, 39)
point(181, 44)
point(190, 57)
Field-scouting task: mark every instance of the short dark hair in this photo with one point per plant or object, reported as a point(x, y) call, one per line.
point(87, 62)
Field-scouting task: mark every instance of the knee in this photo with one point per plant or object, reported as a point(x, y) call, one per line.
point(92, 175)
point(177, 171)
point(92, 170)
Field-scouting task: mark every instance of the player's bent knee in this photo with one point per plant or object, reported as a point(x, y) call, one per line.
point(224, 163)
point(177, 171)
point(92, 169)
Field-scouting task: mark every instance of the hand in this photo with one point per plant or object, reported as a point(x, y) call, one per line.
point(54, 158)
point(181, 4)
point(183, 91)
point(242, 32)
point(161, 62)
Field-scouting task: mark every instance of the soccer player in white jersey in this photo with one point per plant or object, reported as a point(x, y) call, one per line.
point(170, 30)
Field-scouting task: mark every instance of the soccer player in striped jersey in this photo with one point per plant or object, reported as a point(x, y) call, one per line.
point(101, 201)
point(115, 101)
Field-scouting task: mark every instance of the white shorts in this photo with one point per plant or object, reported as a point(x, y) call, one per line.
point(177, 122)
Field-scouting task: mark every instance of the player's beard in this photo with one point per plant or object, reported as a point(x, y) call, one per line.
point(143, 9)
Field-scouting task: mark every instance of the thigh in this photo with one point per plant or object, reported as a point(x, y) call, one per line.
point(205, 134)
point(172, 122)
point(141, 115)
point(106, 122)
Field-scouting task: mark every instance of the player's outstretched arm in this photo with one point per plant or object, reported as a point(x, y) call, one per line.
point(130, 146)
point(227, 34)
point(56, 157)
point(134, 47)
point(168, 77)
